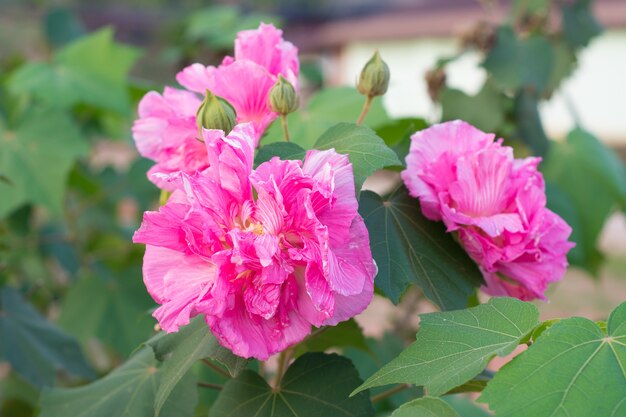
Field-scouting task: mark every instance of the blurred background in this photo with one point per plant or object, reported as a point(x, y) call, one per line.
point(72, 73)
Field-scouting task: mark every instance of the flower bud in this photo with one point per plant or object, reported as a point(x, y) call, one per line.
point(374, 78)
point(215, 113)
point(282, 97)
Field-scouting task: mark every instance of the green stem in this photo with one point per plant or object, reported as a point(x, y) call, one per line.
point(216, 368)
point(283, 362)
point(366, 108)
point(209, 385)
point(386, 394)
point(283, 123)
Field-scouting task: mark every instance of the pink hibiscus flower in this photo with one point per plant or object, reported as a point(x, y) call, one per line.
point(166, 130)
point(495, 203)
point(263, 254)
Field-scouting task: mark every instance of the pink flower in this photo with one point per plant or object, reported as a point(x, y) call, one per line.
point(495, 203)
point(166, 133)
point(245, 80)
point(166, 130)
point(263, 254)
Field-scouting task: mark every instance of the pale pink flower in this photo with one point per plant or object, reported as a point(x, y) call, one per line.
point(166, 130)
point(263, 254)
point(245, 80)
point(495, 203)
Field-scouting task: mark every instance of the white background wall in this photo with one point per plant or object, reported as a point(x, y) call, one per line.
point(596, 89)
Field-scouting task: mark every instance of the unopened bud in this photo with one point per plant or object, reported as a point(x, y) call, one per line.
point(374, 78)
point(282, 97)
point(215, 113)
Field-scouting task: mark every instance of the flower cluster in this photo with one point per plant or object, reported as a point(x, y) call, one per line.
point(166, 130)
point(496, 204)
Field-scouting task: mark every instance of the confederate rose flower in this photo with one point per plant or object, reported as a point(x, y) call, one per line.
point(263, 254)
point(166, 130)
point(496, 204)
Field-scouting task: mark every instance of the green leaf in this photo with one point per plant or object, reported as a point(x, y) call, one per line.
point(284, 150)
point(182, 350)
point(579, 23)
point(36, 157)
point(62, 26)
point(509, 60)
point(485, 110)
point(218, 25)
point(465, 407)
point(315, 385)
point(559, 202)
point(346, 333)
point(128, 391)
point(574, 369)
point(326, 108)
point(34, 347)
point(425, 407)
point(109, 306)
point(91, 70)
point(410, 249)
point(582, 167)
point(529, 126)
point(453, 347)
point(368, 153)
point(397, 134)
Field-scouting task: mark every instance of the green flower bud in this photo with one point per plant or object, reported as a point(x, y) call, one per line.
point(374, 78)
point(215, 113)
point(283, 99)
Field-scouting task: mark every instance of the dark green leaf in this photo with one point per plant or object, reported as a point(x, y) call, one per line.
point(530, 128)
point(410, 249)
point(594, 179)
point(37, 157)
point(453, 347)
point(397, 134)
point(284, 150)
point(485, 110)
point(110, 306)
point(510, 61)
point(368, 153)
point(346, 333)
point(561, 203)
point(579, 24)
point(91, 70)
point(574, 369)
point(315, 385)
point(425, 407)
point(326, 108)
point(34, 347)
point(182, 350)
point(128, 391)
point(62, 26)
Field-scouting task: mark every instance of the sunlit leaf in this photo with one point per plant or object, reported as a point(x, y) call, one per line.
point(92, 70)
point(36, 158)
point(574, 369)
point(453, 347)
point(368, 153)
